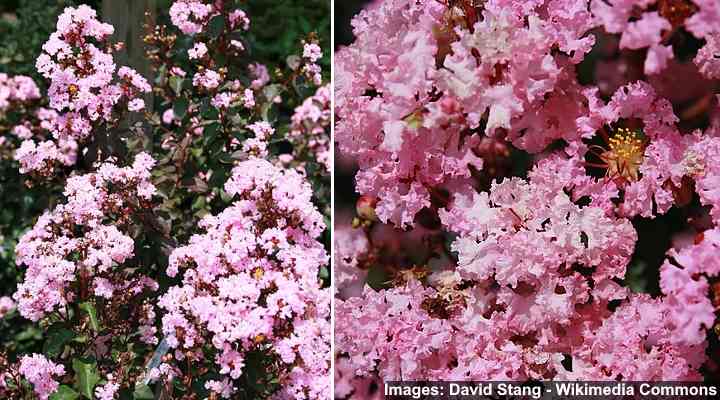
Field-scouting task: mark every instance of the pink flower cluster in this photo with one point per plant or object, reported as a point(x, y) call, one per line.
point(651, 24)
point(380, 108)
point(685, 279)
point(250, 282)
point(6, 305)
point(207, 79)
point(81, 69)
point(36, 153)
point(41, 373)
point(654, 167)
point(310, 122)
point(352, 387)
point(41, 157)
point(525, 232)
point(108, 390)
point(239, 19)
point(351, 248)
point(16, 89)
point(259, 74)
point(560, 329)
point(237, 95)
point(79, 245)
point(311, 54)
point(257, 146)
point(509, 74)
point(17, 94)
point(198, 51)
point(190, 16)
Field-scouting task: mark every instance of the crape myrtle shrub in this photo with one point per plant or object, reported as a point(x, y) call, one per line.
point(537, 192)
point(24, 27)
point(183, 255)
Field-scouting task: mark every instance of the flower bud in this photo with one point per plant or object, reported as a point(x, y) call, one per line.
point(365, 208)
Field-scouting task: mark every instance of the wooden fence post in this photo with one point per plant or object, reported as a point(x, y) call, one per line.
point(128, 18)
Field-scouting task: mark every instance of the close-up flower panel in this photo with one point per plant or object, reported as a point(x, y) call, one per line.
point(535, 192)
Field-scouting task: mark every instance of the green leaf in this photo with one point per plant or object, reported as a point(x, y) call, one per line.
point(81, 339)
point(64, 392)
point(86, 376)
point(143, 392)
point(216, 26)
point(176, 84)
point(180, 107)
point(89, 308)
point(57, 337)
point(377, 278)
point(199, 203)
point(208, 112)
point(226, 158)
point(211, 132)
point(31, 333)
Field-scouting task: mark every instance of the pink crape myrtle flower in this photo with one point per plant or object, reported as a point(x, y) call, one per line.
point(86, 89)
point(260, 75)
point(42, 156)
point(224, 388)
point(208, 79)
point(17, 88)
point(636, 342)
point(190, 16)
point(41, 373)
point(199, 50)
point(238, 18)
point(350, 246)
point(136, 105)
point(250, 279)
point(402, 115)
point(85, 86)
point(309, 123)
point(531, 271)
point(312, 52)
point(650, 24)
point(56, 255)
point(352, 387)
point(655, 161)
point(6, 305)
point(310, 56)
point(684, 279)
point(108, 390)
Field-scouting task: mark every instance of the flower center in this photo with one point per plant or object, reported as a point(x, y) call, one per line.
point(676, 11)
point(625, 154)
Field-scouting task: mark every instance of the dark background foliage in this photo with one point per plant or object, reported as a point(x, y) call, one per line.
point(344, 11)
point(343, 179)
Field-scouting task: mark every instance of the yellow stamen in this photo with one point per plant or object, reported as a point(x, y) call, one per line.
point(626, 154)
